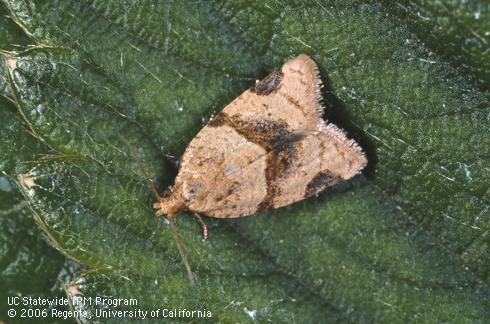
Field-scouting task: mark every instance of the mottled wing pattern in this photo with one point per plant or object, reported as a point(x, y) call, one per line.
point(293, 96)
point(327, 158)
point(212, 178)
point(267, 149)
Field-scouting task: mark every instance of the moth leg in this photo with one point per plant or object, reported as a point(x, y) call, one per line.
point(202, 225)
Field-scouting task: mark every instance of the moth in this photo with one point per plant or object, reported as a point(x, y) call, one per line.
point(268, 148)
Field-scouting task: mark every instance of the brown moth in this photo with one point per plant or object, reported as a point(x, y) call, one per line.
point(268, 148)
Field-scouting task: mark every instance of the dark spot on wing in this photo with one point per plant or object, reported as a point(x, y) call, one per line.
point(217, 120)
point(268, 84)
point(319, 182)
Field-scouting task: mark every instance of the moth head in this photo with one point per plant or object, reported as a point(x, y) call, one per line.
point(169, 205)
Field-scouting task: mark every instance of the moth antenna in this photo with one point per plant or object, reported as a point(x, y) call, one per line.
point(178, 240)
point(135, 156)
point(180, 246)
point(202, 225)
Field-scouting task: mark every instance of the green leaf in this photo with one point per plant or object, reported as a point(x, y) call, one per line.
point(29, 266)
point(11, 35)
point(406, 241)
point(458, 33)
